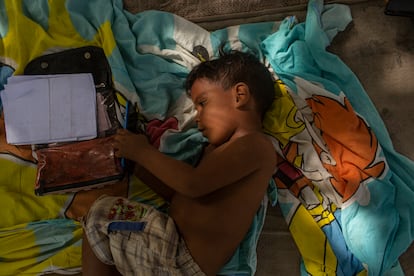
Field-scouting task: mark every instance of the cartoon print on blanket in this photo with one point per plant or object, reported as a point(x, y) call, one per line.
point(155, 129)
point(310, 214)
point(355, 157)
point(378, 209)
point(22, 152)
point(348, 151)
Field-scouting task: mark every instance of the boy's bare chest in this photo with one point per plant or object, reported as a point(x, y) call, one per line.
point(215, 225)
point(227, 208)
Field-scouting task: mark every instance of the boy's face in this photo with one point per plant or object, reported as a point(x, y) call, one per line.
point(215, 111)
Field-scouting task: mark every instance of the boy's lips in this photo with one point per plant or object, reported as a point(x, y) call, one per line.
point(200, 127)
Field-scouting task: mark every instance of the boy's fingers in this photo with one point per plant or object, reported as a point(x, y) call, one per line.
point(122, 131)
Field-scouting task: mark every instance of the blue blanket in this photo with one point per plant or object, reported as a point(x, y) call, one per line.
point(376, 222)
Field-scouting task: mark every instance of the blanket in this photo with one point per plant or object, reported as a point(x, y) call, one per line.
point(343, 190)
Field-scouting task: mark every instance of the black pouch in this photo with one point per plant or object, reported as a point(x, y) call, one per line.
point(69, 167)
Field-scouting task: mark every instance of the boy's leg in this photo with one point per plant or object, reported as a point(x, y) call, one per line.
point(91, 265)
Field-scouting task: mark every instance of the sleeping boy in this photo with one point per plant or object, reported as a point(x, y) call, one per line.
point(211, 205)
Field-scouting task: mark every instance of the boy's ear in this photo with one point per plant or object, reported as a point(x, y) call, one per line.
point(241, 94)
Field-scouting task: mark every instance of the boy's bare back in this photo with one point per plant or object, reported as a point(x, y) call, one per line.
point(214, 225)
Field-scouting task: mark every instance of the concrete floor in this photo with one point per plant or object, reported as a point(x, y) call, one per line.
point(380, 50)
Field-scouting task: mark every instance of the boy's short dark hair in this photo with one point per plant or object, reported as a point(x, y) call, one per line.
point(232, 68)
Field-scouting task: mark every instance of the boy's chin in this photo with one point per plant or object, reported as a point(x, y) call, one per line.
point(216, 142)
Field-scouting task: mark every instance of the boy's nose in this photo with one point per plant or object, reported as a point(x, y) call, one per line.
point(197, 117)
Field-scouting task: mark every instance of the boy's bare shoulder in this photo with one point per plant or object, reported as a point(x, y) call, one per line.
point(250, 141)
point(258, 138)
point(257, 147)
point(257, 143)
point(229, 163)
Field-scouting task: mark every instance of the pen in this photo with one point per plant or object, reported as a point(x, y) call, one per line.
point(125, 127)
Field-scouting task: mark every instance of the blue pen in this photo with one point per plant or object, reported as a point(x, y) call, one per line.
point(125, 127)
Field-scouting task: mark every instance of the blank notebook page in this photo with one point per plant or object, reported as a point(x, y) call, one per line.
point(49, 108)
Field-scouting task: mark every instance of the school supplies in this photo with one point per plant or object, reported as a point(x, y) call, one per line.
point(77, 166)
point(42, 109)
point(125, 127)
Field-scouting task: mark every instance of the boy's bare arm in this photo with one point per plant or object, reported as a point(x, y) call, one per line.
point(223, 166)
point(153, 182)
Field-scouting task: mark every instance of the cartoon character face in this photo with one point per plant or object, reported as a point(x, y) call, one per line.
point(351, 143)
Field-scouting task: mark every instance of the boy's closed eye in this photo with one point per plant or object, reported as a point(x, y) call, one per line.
point(202, 103)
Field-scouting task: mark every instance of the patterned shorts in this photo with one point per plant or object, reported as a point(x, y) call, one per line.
point(137, 239)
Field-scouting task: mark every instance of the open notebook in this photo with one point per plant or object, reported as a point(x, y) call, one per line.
point(57, 114)
point(79, 165)
point(41, 109)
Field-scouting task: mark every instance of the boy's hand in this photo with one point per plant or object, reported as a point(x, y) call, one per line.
point(129, 145)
